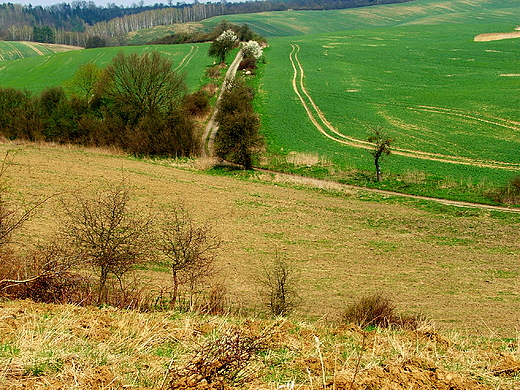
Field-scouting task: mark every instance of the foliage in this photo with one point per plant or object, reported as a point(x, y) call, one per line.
point(136, 104)
point(222, 45)
point(238, 136)
point(95, 41)
point(252, 49)
point(142, 84)
point(381, 147)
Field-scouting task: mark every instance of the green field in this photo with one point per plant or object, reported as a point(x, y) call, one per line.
point(38, 73)
point(17, 50)
point(450, 103)
point(423, 12)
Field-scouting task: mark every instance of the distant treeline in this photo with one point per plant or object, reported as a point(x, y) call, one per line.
point(74, 23)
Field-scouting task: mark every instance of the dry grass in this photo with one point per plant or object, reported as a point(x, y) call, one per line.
point(68, 347)
point(457, 266)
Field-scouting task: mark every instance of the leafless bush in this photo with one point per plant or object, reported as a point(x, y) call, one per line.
point(112, 238)
point(279, 288)
point(223, 362)
point(45, 275)
point(379, 310)
point(509, 194)
point(190, 251)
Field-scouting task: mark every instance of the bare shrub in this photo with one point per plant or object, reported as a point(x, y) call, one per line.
point(223, 362)
point(213, 72)
point(112, 238)
point(379, 310)
point(279, 288)
point(190, 251)
point(45, 275)
point(375, 310)
point(509, 194)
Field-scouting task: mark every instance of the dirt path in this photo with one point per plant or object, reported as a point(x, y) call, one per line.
point(278, 177)
point(208, 138)
point(316, 116)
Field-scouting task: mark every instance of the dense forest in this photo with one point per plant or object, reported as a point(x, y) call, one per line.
point(75, 23)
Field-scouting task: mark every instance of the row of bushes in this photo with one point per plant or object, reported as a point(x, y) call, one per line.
point(117, 106)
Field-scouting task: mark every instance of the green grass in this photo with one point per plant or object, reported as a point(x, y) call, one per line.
point(424, 12)
point(429, 85)
point(37, 73)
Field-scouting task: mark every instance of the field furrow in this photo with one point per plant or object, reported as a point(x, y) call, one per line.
point(318, 118)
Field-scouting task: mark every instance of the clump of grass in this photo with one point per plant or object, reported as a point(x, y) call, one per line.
point(307, 159)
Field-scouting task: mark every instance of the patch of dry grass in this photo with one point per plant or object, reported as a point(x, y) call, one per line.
point(68, 347)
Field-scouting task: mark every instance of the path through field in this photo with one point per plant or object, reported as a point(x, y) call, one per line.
point(318, 119)
point(208, 138)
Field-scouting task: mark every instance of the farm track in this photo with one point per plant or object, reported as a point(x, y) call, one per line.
point(208, 138)
point(318, 119)
point(332, 185)
point(186, 60)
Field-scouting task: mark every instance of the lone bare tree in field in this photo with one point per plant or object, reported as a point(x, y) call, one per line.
point(380, 148)
point(190, 251)
point(112, 238)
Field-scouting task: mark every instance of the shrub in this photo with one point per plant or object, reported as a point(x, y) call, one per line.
point(247, 64)
point(221, 363)
point(510, 194)
point(379, 311)
point(279, 288)
point(197, 103)
point(213, 72)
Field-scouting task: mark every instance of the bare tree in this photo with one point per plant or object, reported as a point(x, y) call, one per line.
point(190, 251)
point(112, 238)
point(380, 148)
point(279, 288)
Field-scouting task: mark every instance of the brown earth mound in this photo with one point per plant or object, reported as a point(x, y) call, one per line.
point(416, 374)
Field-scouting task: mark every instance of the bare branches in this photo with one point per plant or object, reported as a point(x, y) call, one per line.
point(189, 249)
point(111, 237)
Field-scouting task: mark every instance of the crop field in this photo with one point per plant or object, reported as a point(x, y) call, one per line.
point(423, 12)
point(37, 73)
point(449, 103)
point(17, 50)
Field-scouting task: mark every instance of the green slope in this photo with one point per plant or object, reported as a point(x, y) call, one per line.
point(291, 23)
point(423, 78)
point(38, 73)
point(16, 50)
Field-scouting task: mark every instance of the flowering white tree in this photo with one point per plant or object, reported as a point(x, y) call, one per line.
point(221, 46)
point(252, 49)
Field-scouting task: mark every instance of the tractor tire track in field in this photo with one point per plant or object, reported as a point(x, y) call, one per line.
point(208, 138)
point(318, 119)
point(186, 60)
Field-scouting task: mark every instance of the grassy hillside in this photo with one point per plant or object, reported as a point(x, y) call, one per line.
point(423, 12)
point(38, 73)
point(458, 266)
point(17, 50)
point(69, 347)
